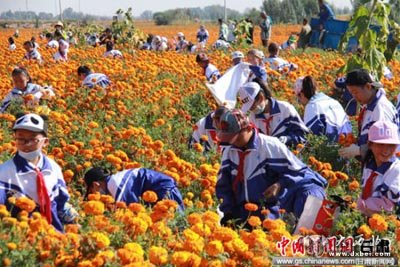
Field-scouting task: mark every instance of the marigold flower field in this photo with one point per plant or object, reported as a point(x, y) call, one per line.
point(144, 120)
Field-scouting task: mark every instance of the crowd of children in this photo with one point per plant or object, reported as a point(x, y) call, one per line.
point(257, 164)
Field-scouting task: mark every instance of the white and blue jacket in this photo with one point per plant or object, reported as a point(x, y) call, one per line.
point(324, 115)
point(202, 36)
point(257, 71)
point(387, 182)
point(31, 89)
point(211, 71)
point(129, 185)
point(205, 127)
point(34, 54)
point(380, 109)
point(285, 121)
point(18, 178)
point(269, 161)
point(94, 79)
point(278, 64)
point(113, 53)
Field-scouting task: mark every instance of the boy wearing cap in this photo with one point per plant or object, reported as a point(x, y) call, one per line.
point(206, 127)
point(375, 107)
point(210, 71)
point(90, 79)
point(237, 58)
point(381, 172)
point(257, 69)
point(277, 63)
point(271, 116)
point(32, 174)
point(259, 169)
point(182, 43)
point(129, 185)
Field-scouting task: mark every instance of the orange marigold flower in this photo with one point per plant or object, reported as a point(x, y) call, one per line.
point(25, 203)
point(251, 207)
point(158, 255)
point(94, 207)
point(150, 196)
point(378, 223)
point(354, 185)
point(254, 221)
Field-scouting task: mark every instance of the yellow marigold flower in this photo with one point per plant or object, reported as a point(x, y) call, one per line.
point(101, 240)
point(365, 231)
point(150, 196)
point(214, 248)
point(239, 246)
point(11, 246)
point(26, 204)
point(94, 207)
point(378, 223)
point(158, 255)
point(12, 200)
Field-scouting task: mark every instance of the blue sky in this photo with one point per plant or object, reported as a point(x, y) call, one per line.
point(108, 7)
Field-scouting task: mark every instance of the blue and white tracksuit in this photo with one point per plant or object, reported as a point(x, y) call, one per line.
point(31, 89)
point(257, 71)
point(94, 79)
point(18, 179)
point(113, 53)
point(129, 185)
point(278, 64)
point(283, 120)
point(324, 115)
point(211, 71)
point(205, 127)
point(268, 161)
point(380, 109)
point(202, 36)
point(386, 186)
point(34, 54)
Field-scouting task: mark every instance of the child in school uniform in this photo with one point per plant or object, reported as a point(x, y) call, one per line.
point(111, 52)
point(31, 52)
point(129, 185)
point(12, 46)
point(23, 86)
point(259, 169)
point(323, 115)
point(51, 42)
point(90, 79)
point(381, 171)
point(206, 127)
point(277, 63)
point(62, 53)
point(257, 69)
point(32, 174)
point(375, 107)
point(210, 71)
point(271, 116)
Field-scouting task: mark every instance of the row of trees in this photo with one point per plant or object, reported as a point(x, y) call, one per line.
point(68, 14)
point(182, 14)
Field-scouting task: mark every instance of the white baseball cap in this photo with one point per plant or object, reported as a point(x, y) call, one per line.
point(247, 94)
point(31, 122)
point(237, 54)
